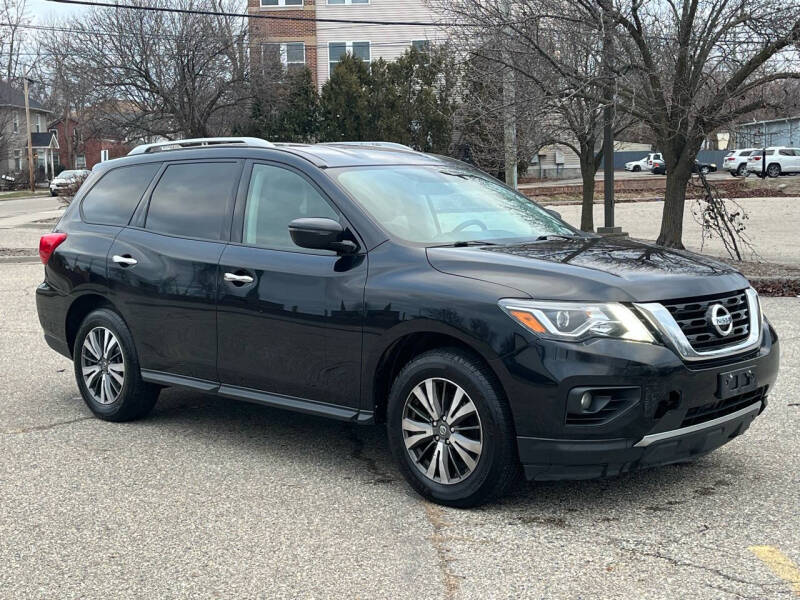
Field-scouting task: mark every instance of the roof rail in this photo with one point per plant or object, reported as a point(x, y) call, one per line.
point(200, 143)
point(379, 144)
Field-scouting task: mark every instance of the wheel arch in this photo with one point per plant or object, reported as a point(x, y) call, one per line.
point(403, 348)
point(79, 309)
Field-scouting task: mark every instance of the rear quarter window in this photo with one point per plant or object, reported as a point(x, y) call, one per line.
point(112, 200)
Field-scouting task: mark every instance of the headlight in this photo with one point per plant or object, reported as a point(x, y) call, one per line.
point(713, 165)
point(576, 321)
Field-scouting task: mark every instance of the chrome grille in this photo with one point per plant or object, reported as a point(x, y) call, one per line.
point(691, 316)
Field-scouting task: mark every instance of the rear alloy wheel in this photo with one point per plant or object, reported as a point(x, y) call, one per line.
point(450, 429)
point(705, 170)
point(102, 365)
point(107, 369)
point(774, 170)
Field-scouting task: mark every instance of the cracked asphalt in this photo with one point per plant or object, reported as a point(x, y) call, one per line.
point(209, 498)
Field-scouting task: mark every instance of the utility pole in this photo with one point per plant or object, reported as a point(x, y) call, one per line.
point(31, 176)
point(509, 105)
point(608, 125)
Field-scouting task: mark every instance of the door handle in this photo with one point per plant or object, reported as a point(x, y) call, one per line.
point(125, 261)
point(234, 278)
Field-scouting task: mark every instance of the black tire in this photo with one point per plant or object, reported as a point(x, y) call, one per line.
point(774, 170)
point(498, 464)
point(705, 170)
point(135, 398)
point(742, 170)
point(52, 193)
point(637, 168)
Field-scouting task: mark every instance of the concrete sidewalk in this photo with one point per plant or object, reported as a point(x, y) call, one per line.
point(772, 225)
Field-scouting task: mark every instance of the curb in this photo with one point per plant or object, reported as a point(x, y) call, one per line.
point(19, 259)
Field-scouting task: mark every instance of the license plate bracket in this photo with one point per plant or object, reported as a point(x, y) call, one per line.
point(734, 383)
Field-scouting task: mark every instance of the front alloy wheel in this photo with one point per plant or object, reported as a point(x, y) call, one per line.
point(450, 428)
point(102, 365)
point(442, 431)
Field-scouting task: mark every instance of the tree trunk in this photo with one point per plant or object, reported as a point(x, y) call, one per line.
point(588, 171)
point(674, 200)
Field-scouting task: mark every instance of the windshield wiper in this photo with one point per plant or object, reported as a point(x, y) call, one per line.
point(559, 236)
point(465, 243)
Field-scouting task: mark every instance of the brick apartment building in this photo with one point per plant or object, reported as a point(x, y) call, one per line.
point(78, 150)
point(319, 45)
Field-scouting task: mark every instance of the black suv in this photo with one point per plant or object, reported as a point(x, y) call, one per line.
point(375, 284)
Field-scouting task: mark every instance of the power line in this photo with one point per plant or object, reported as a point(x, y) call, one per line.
point(192, 11)
point(116, 34)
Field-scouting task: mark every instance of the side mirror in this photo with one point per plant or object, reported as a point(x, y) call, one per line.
point(321, 234)
point(555, 213)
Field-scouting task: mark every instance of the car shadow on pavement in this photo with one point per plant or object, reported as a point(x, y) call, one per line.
point(286, 436)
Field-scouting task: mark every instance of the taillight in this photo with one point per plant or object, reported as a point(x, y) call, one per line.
point(49, 242)
point(756, 158)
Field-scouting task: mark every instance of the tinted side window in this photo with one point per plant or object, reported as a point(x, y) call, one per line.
point(275, 198)
point(191, 199)
point(115, 197)
point(786, 152)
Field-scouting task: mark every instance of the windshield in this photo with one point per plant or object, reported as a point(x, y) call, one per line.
point(436, 205)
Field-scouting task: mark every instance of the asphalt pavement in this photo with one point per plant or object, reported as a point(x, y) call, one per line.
point(210, 498)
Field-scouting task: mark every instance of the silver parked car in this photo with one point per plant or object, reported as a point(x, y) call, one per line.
point(65, 179)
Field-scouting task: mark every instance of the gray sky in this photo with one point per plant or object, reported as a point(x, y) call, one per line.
point(43, 11)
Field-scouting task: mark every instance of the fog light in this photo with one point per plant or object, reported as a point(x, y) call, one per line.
point(599, 405)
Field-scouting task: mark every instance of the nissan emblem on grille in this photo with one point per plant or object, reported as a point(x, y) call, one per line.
point(720, 317)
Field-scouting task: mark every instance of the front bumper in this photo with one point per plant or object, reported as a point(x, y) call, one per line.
point(660, 428)
point(589, 459)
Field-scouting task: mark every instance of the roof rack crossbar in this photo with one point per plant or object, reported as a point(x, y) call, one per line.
point(200, 143)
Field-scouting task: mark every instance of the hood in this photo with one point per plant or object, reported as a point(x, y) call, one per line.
point(597, 268)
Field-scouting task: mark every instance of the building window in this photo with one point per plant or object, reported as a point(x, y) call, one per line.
point(38, 125)
point(281, 2)
point(80, 161)
point(348, 1)
point(421, 45)
point(336, 50)
point(103, 155)
point(17, 160)
point(292, 55)
point(16, 122)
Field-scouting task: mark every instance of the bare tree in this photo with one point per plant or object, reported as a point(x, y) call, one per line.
point(147, 73)
point(564, 117)
point(13, 38)
point(683, 68)
point(479, 129)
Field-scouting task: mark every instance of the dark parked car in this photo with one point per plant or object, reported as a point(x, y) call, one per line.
point(660, 167)
point(382, 285)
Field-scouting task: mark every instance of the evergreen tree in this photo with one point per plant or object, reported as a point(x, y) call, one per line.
point(424, 87)
point(285, 106)
point(345, 107)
